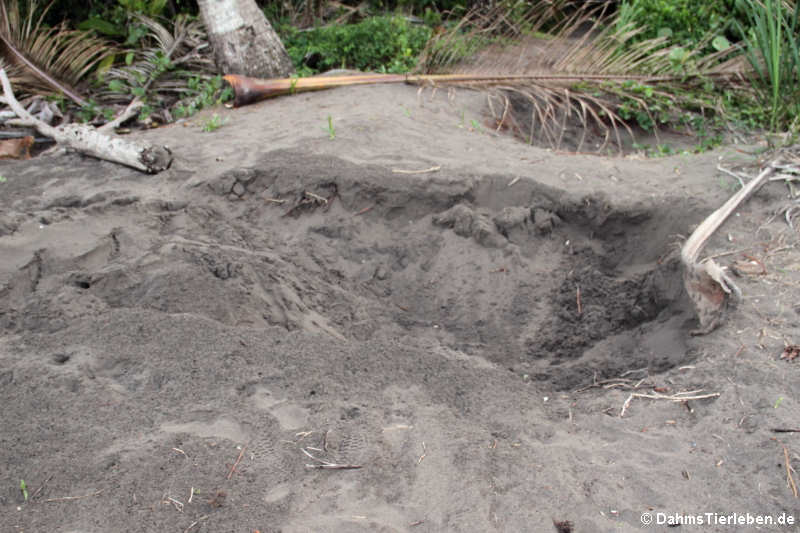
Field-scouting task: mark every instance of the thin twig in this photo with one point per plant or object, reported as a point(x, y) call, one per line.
point(175, 503)
point(731, 173)
point(789, 478)
point(316, 197)
point(578, 299)
point(326, 465)
point(195, 523)
point(70, 498)
point(133, 107)
point(238, 459)
point(42, 486)
point(424, 453)
point(677, 397)
point(432, 169)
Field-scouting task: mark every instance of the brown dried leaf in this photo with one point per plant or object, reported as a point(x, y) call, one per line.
point(19, 148)
point(791, 352)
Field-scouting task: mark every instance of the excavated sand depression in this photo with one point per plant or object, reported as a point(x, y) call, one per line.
point(460, 315)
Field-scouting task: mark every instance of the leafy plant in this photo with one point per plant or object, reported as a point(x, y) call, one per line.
point(23, 487)
point(684, 22)
point(213, 123)
point(201, 93)
point(168, 72)
point(383, 44)
point(90, 110)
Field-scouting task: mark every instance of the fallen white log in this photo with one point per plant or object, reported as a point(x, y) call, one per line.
point(87, 140)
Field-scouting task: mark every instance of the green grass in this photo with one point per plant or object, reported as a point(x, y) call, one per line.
point(330, 129)
point(772, 50)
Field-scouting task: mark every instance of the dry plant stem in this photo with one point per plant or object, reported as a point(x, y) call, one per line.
point(425, 171)
point(238, 460)
point(129, 112)
point(706, 283)
point(678, 397)
point(325, 465)
point(70, 498)
point(42, 486)
point(87, 140)
point(789, 478)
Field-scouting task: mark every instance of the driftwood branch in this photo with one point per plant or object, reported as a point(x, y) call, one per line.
point(87, 140)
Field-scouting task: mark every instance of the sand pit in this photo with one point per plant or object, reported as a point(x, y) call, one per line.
point(415, 325)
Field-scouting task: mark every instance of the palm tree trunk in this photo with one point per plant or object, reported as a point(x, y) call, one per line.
point(243, 40)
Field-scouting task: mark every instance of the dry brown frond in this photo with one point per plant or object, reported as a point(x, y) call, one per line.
point(46, 60)
point(572, 78)
point(162, 69)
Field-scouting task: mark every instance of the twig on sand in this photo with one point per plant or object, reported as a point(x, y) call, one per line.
point(789, 478)
point(238, 460)
point(70, 498)
point(425, 171)
point(316, 197)
point(36, 493)
point(612, 383)
point(424, 453)
point(195, 523)
point(169, 500)
point(361, 212)
point(326, 465)
point(732, 174)
point(785, 430)
point(677, 397)
point(578, 300)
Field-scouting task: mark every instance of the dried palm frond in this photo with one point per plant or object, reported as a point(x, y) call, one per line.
point(46, 60)
point(557, 67)
point(161, 70)
point(574, 78)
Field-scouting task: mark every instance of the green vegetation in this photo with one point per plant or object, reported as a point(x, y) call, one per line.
point(382, 44)
point(213, 123)
point(331, 131)
point(772, 43)
point(155, 53)
point(201, 93)
point(684, 22)
point(23, 487)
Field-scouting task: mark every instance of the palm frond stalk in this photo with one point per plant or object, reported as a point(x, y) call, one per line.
point(565, 66)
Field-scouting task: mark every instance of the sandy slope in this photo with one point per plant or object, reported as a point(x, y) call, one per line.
point(423, 326)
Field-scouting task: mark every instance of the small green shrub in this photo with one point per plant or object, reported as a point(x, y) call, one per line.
point(201, 93)
point(383, 44)
point(685, 22)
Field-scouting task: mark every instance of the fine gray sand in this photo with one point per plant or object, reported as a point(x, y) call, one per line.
point(459, 314)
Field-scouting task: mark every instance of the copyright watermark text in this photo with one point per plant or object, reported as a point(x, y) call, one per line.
point(718, 519)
